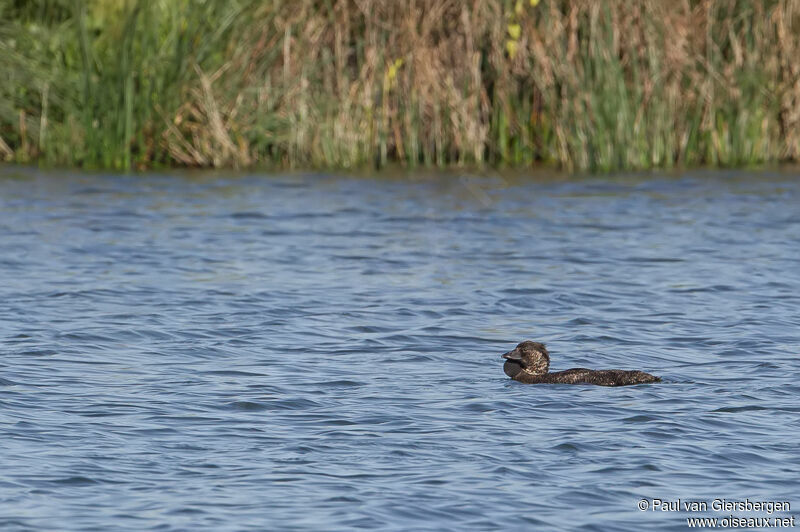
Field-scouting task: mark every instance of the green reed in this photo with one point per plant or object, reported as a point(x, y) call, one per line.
point(330, 84)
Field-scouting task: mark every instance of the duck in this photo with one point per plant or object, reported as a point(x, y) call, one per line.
point(529, 362)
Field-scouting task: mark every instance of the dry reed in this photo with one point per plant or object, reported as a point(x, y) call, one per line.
point(621, 84)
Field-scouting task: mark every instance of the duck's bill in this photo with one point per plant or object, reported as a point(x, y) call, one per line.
point(512, 355)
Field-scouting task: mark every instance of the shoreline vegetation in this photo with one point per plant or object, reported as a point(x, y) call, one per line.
point(340, 84)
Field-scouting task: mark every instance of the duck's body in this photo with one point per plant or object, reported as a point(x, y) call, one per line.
point(529, 362)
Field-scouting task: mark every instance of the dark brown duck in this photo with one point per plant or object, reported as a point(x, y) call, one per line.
point(529, 362)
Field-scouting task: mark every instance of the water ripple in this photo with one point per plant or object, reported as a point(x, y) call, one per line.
point(315, 352)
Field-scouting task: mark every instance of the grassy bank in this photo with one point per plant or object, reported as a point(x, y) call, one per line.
point(582, 84)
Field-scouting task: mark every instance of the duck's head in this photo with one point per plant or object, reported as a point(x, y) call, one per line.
point(530, 357)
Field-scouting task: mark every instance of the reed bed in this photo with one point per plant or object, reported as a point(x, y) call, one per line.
point(585, 85)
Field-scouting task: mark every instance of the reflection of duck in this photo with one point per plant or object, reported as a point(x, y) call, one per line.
point(529, 362)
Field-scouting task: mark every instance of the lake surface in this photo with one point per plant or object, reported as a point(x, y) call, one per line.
point(314, 352)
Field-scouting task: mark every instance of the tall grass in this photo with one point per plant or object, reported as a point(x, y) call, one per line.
point(346, 83)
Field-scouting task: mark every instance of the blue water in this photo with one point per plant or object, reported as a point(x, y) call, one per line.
point(315, 352)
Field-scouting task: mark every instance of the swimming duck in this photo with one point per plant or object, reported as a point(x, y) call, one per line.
point(529, 362)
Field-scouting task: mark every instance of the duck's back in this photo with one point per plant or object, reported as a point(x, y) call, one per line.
point(599, 377)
